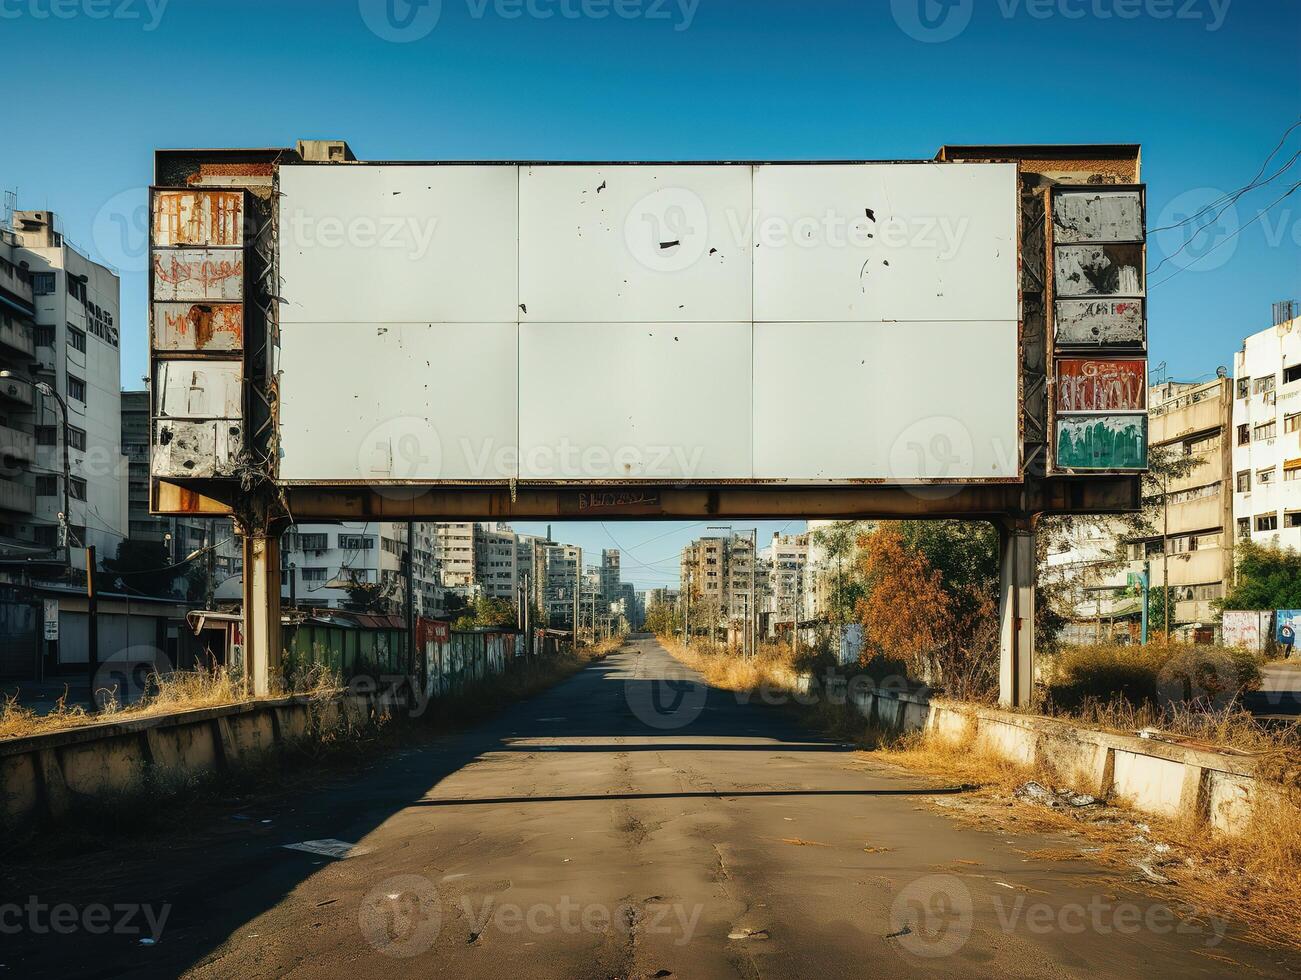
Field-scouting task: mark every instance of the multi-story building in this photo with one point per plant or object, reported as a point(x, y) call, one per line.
point(454, 555)
point(75, 353)
point(787, 556)
point(703, 570)
point(495, 561)
point(1267, 433)
point(18, 536)
point(559, 576)
point(610, 574)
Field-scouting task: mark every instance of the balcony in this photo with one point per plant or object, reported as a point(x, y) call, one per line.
point(1201, 514)
point(15, 445)
point(18, 336)
point(13, 390)
point(16, 497)
point(1192, 567)
point(1178, 421)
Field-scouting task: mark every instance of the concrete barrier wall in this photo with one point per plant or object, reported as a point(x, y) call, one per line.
point(1161, 778)
point(45, 777)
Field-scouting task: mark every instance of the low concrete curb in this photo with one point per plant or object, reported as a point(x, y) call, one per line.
point(44, 777)
point(1161, 778)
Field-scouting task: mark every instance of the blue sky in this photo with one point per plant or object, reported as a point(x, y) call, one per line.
point(1207, 86)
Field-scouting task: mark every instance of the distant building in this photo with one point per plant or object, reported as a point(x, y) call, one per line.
point(495, 562)
point(1267, 434)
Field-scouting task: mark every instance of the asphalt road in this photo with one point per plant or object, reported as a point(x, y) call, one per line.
point(629, 822)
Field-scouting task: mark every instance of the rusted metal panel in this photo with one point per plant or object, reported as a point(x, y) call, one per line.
point(1099, 270)
point(1098, 216)
point(198, 326)
point(171, 498)
point(210, 218)
point(201, 274)
point(1101, 385)
point(198, 389)
point(1102, 442)
point(1100, 323)
point(196, 449)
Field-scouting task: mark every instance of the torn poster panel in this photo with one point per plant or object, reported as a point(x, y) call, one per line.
point(196, 449)
point(1099, 270)
point(199, 389)
point(1100, 323)
point(1096, 385)
point(1102, 442)
point(198, 274)
point(1097, 216)
point(198, 326)
point(199, 218)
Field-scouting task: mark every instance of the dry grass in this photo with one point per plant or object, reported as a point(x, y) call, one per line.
point(770, 668)
point(180, 690)
point(1252, 878)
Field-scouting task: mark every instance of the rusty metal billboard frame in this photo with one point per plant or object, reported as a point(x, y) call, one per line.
point(1028, 493)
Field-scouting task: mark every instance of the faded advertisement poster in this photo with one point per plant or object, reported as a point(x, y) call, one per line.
point(1097, 385)
point(1102, 442)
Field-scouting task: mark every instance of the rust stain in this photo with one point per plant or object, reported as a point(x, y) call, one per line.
point(199, 217)
point(207, 272)
point(204, 321)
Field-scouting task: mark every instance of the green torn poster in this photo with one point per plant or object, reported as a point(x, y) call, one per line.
point(1102, 442)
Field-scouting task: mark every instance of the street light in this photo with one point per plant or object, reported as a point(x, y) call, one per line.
point(48, 391)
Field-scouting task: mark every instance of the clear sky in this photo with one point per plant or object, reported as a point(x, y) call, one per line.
point(1207, 86)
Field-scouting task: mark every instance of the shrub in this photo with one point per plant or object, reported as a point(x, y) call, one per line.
point(1153, 675)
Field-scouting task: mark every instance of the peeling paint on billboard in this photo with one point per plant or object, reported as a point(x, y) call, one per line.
point(199, 218)
point(1097, 385)
point(1100, 323)
point(198, 326)
point(1099, 270)
point(1101, 216)
point(198, 274)
point(196, 449)
point(1102, 442)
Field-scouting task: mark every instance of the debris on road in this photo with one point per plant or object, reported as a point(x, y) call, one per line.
point(329, 847)
point(1033, 792)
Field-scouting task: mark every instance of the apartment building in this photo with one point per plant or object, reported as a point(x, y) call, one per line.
point(18, 402)
point(703, 570)
point(610, 573)
point(1267, 433)
point(559, 575)
point(787, 557)
point(496, 561)
point(75, 352)
point(454, 556)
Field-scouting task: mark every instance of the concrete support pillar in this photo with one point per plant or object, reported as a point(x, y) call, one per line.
point(262, 610)
point(1016, 612)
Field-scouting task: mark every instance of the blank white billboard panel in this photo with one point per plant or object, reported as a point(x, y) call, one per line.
point(618, 401)
point(398, 401)
point(362, 244)
point(902, 402)
point(676, 323)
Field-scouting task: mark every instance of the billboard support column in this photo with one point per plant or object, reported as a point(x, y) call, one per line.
point(1016, 611)
point(262, 651)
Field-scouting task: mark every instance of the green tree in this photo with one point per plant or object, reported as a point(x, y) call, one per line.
point(663, 620)
point(1268, 578)
point(840, 541)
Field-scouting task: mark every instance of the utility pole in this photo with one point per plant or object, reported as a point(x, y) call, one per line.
point(751, 607)
point(209, 567)
point(92, 631)
point(686, 619)
point(1165, 557)
point(411, 599)
point(1147, 579)
point(578, 593)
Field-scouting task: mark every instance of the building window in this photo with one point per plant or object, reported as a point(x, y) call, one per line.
point(1292, 373)
point(1292, 518)
point(1244, 528)
point(314, 576)
point(77, 289)
point(76, 388)
point(42, 283)
point(1265, 476)
point(1267, 522)
point(1292, 470)
point(1266, 430)
point(77, 488)
point(76, 438)
point(47, 435)
point(1291, 423)
point(44, 335)
point(1244, 481)
point(1262, 385)
point(1244, 434)
point(1244, 387)
point(314, 542)
point(76, 339)
point(47, 486)
point(356, 542)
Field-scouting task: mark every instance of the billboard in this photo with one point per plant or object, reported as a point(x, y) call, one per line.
point(673, 323)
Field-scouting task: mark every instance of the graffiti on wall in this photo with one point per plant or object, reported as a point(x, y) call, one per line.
point(1102, 442)
point(1096, 385)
